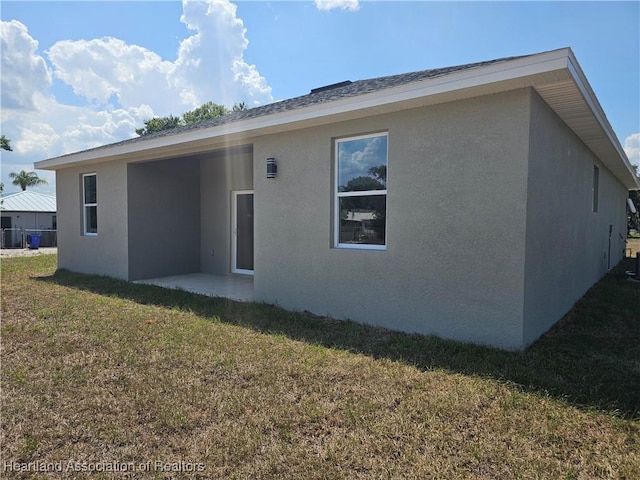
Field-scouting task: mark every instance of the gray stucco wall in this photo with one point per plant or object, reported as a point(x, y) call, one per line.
point(567, 243)
point(456, 211)
point(164, 218)
point(221, 173)
point(490, 233)
point(106, 253)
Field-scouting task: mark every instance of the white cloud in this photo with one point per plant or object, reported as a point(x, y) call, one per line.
point(63, 129)
point(358, 156)
point(97, 69)
point(24, 73)
point(121, 84)
point(632, 148)
point(351, 5)
point(210, 64)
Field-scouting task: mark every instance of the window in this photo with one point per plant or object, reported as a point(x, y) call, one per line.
point(596, 181)
point(89, 204)
point(361, 192)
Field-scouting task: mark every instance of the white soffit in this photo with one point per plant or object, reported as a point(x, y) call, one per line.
point(576, 104)
point(556, 76)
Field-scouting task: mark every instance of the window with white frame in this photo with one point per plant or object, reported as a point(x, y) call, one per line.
point(89, 204)
point(361, 192)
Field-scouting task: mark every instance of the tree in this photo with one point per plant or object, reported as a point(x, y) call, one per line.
point(158, 124)
point(5, 143)
point(379, 172)
point(25, 179)
point(239, 107)
point(206, 111)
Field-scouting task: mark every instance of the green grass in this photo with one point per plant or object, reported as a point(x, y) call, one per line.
point(100, 370)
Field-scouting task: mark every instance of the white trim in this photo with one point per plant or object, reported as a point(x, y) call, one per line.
point(592, 102)
point(337, 194)
point(360, 246)
point(362, 193)
point(85, 205)
point(234, 229)
point(481, 75)
point(531, 71)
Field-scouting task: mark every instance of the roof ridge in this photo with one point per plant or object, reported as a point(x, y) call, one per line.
point(338, 91)
point(335, 89)
point(27, 192)
point(451, 68)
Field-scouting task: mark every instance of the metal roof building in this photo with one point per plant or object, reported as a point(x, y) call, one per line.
point(28, 202)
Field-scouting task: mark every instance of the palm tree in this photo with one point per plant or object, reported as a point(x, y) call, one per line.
point(27, 179)
point(5, 143)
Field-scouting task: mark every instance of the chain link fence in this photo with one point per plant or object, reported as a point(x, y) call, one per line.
point(21, 237)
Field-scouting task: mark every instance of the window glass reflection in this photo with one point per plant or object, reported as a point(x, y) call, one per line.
point(363, 219)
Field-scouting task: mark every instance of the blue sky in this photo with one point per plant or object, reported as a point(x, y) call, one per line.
point(81, 74)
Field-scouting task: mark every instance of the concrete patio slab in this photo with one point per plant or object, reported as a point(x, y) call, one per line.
point(235, 287)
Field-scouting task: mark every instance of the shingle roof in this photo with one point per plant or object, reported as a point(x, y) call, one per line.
point(555, 75)
point(317, 96)
point(28, 202)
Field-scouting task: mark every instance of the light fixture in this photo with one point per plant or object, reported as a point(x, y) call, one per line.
point(272, 168)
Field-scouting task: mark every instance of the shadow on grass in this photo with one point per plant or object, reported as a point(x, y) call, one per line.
point(591, 358)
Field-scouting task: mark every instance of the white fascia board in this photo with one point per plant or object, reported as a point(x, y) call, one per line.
point(503, 71)
point(590, 98)
point(474, 77)
point(484, 75)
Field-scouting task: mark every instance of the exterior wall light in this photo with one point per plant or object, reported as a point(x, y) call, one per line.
point(272, 168)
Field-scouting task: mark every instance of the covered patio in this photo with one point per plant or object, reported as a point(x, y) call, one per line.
point(184, 218)
point(234, 287)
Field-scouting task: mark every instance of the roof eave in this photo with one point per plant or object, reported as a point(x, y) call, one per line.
point(616, 159)
point(558, 67)
point(432, 91)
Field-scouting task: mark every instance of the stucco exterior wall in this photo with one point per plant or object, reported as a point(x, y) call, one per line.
point(456, 211)
point(567, 244)
point(221, 173)
point(106, 253)
point(164, 218)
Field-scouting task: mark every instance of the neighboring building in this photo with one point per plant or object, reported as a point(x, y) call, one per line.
point(29, 212)
point(477, 202)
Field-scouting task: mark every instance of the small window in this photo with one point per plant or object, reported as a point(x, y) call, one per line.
point(596, 181)
point(89, 204)
point(361, 192)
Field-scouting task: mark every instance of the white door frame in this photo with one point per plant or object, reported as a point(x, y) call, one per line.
point(234, 231)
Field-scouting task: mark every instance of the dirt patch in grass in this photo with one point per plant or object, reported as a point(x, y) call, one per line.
point(27, 252)
point(99, 373)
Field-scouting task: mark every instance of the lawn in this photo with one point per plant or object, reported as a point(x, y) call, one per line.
point(101, 375)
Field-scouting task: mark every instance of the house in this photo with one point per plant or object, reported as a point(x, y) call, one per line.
point(495, 194)
point(28, 212)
